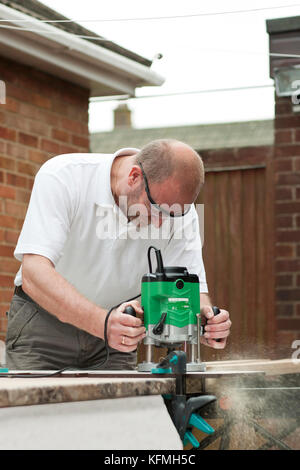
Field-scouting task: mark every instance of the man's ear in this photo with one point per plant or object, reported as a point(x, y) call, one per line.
point(135, 176)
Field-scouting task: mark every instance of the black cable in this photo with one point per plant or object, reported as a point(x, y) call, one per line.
point(149, 257)
point(58, 372)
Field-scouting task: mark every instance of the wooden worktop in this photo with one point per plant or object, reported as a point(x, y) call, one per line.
point(15, 391)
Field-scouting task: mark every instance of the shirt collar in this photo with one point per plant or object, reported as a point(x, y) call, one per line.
point(103, 192)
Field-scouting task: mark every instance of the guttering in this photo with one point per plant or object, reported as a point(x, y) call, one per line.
point(103, 71)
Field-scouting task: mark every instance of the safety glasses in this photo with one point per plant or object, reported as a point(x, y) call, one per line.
point(153, 203)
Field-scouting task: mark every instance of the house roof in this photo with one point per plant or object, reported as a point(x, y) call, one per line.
point(103, 67)
point(42, 12)
point(283, 25)
point(200, 137)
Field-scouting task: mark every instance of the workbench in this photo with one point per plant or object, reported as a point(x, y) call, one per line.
point(126, 409)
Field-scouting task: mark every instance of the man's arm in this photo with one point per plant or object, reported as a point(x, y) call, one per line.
point(217, 327)
point(55, 294)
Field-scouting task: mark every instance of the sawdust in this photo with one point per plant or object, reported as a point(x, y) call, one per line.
point(251, 415)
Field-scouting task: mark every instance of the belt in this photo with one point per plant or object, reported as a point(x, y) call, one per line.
point(19, 291)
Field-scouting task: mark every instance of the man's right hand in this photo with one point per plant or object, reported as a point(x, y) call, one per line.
point(124, 331)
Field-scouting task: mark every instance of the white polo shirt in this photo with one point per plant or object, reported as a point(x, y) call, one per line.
point(73, 220)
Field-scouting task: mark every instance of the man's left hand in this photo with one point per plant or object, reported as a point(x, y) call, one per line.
point(216, 328)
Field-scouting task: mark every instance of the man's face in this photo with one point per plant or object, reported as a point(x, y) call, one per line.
point(168, 197)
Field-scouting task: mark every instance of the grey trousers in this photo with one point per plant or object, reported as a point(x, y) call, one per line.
point(37, 340)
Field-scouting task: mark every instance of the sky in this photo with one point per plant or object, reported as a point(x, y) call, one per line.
point(199, 53)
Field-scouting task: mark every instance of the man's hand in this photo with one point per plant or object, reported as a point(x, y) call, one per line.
point(124, 331)
point(217, 327)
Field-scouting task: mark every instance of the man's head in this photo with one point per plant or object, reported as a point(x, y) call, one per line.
point(167, 172)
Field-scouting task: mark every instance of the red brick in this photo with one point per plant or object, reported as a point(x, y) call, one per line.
point(286, 179)
point(3, 309)
point(283, 136)
point(284, 251)
point(297, 135)
point(283, 164)
point(283, 194)
point(287, 207)
point(26, 168)
point(3, 328)
point(284, 309)
point(17, 150)
point(2, 235)
point(16, 180)
point(287, 150)
point(30, 182)
point(11, 105)
point(6, 281)
point(80, 141)
point(11, 236)
point(76, 96)
point(37, 156)
point(292, 324)
point(52, 119)
point(297, 193)
point(68, 149)
point(298, 280)
point(28, 139)
point(283, 280)
point(29, 111)
point(288, 294)
point(9, 134)
point(8, 221)
point(298, 221)
point(287, 122)
point(7, 251)
point(286, 266)
point(39, 128)
point(15, 209)
point(19, 224)
point(85, 128)
point(10, 266)
point(22, 195)
point(71, 125)
point(63, 136)
point(50, 146)
point(7, 163)
point(41, 101)
point(283, 108)
point(7, 192)
point(296, 164)
point(21, 94)
point(284, 221)
point(17, 122)
point(286, 236)
point(6, 295)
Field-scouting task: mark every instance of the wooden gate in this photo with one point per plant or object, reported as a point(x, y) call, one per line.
point(238, 256)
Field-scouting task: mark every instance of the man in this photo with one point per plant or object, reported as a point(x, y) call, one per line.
point(83, 248)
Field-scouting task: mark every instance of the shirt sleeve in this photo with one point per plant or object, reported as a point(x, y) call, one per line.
point(185, 247)
point(48, 219)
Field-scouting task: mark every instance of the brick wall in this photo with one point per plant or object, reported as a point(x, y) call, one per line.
point(43, 116)
point(287, 220)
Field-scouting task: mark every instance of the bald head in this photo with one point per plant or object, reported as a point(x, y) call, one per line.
point(167, 158)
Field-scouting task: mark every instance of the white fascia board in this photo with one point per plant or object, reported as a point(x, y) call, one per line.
point(72, 57)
